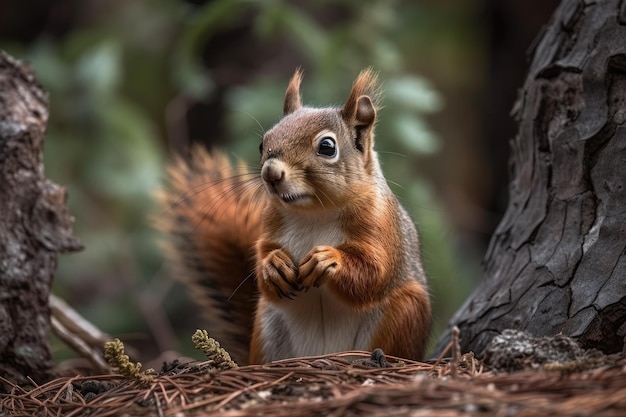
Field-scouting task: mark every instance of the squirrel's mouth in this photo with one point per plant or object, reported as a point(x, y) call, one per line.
point(292, 198)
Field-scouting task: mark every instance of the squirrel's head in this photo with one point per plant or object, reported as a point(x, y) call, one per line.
point(321, 157)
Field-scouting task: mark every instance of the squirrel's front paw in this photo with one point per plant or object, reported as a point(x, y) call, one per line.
point(318, 265)
point(279, 276)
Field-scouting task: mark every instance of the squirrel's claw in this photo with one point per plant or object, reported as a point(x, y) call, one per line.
point(318, 265)
point(278, 276)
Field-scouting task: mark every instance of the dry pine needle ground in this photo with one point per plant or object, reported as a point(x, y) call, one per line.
point(333, 386)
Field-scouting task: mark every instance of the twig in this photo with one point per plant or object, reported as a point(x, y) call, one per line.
point(456, 351)
point(78, 333)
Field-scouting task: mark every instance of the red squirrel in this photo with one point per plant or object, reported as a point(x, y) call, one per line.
point(316, 237)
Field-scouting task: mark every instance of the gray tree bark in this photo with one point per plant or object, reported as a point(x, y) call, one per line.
point(34, 227)
point(557, 261)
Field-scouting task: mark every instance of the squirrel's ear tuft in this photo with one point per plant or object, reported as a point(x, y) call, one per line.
point(293, 100)
point(360, 107)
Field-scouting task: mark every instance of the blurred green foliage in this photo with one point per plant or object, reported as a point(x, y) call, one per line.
point(111, 79)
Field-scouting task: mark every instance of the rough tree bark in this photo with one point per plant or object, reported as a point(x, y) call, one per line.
point(557, 261)
point(34, 226)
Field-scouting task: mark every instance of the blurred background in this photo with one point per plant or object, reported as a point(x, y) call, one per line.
point(133, 82)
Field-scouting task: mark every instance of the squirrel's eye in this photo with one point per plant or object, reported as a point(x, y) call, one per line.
point(327, 147)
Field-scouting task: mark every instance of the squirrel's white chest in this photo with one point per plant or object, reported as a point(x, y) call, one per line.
point(320, 323)
point(301, 233)
point(315, 322)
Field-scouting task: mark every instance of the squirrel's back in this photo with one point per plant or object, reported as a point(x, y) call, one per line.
point(212, 219)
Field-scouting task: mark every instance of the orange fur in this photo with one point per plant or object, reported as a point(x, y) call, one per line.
point(213, 220)
point(406, 322)
point(256, 344)
point(336, 258)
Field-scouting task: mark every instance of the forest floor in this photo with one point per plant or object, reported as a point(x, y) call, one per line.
point(333, 385)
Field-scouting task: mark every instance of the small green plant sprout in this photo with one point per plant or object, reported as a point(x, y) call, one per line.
point(120, 362)
point(212, 349)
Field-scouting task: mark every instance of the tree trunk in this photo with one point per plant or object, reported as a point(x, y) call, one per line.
point(34, 226)
point(557, 261)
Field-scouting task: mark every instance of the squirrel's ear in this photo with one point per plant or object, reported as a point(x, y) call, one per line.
point(360, 110)
point(292, 96)
point(365, 112)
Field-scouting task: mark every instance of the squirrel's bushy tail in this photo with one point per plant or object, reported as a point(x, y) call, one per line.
point(212, 219)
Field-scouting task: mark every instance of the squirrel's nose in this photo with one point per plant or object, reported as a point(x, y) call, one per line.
point(272, 173)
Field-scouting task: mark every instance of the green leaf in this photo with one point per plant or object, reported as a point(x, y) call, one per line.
point(415, 93)
point(99, 69)
point(413, 133)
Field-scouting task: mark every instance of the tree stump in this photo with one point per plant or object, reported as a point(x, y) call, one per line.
point(34, 226)
point(557, 262)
